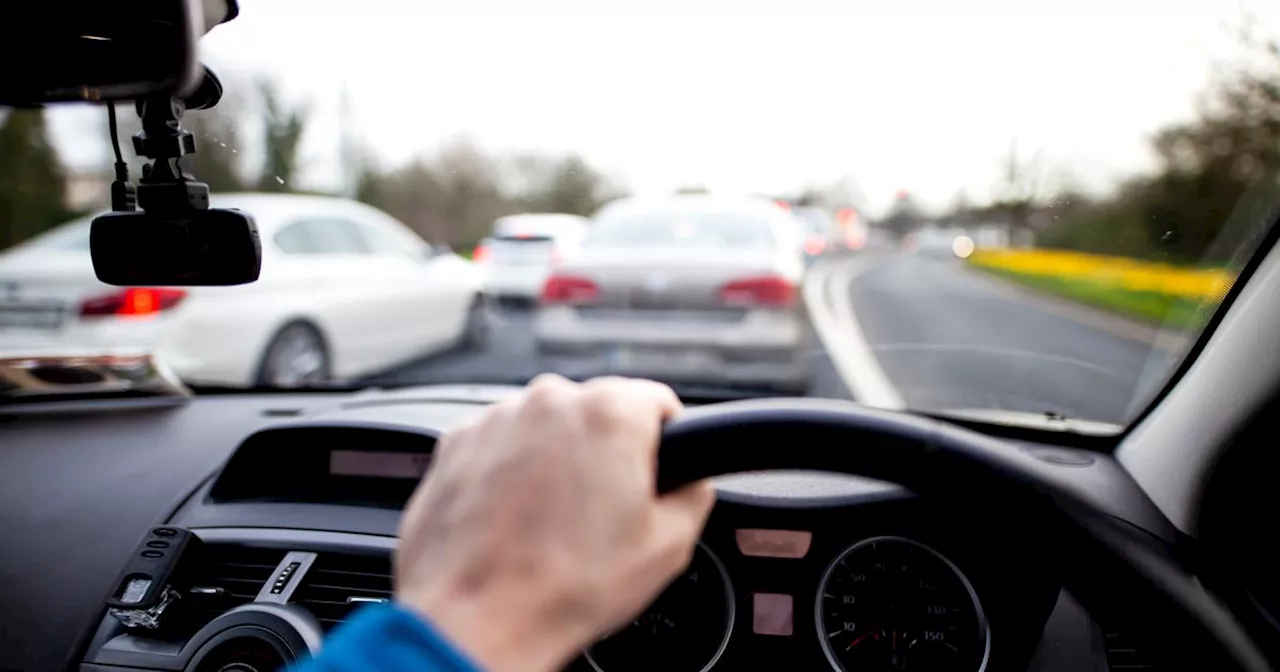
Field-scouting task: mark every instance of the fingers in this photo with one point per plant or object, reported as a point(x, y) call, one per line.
point(641, 394)
point(681, 515)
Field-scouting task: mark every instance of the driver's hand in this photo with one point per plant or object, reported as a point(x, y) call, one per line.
point(538, 529)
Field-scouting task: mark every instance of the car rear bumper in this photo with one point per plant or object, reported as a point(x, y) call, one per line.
point(523, 282)
point(763, 348)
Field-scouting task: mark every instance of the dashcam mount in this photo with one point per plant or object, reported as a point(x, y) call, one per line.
point(165, 187)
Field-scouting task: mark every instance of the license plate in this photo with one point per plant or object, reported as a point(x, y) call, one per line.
point(644, 359)
point(30, 316)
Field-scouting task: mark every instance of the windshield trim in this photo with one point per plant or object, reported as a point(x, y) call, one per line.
point(1266, 246)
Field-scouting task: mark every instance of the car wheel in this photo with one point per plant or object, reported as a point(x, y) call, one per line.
point(479, 328)
point(296, 357)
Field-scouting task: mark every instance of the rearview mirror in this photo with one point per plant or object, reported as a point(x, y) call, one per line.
point(99, 50)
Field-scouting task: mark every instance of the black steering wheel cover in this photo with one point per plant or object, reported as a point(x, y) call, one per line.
point(1122, 576)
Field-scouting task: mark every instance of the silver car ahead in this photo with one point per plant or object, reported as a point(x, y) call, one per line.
point(691, 290)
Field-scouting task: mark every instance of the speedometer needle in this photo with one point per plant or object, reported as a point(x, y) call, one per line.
point(858, 640)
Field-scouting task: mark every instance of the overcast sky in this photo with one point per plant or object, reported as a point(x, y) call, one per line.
point(740, 96)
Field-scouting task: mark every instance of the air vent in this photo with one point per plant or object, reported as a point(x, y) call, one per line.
point(1123, 655)
point(338, 584)
point(230, 575)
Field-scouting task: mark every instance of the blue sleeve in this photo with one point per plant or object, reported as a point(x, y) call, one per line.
point(387, 638)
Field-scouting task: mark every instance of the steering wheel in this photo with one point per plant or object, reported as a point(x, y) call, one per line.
point(1120, 576)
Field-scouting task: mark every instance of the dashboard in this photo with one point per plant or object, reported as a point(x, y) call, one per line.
point(246, 527)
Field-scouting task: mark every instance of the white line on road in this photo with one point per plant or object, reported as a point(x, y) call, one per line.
point(826, 294)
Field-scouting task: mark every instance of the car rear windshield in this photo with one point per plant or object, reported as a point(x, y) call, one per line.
point(72, 237)
point(816, 220)
point(683, 230)
point(534, 229)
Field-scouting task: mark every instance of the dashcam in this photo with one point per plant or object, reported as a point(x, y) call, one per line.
point(199, 247)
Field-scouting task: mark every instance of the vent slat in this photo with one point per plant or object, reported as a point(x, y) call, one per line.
point(335, 579)
point(238, 571)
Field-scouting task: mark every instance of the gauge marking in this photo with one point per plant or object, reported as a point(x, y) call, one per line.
point(909, 605)
point(652, 623)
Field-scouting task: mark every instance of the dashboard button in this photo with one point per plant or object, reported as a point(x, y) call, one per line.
point(164, 532)
point(152, 554)
point(157, 544)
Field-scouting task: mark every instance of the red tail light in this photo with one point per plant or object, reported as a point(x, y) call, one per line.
point(814, 245)
point(481, 253)
point(569, 289)
point(769, 290)
point(133, 301)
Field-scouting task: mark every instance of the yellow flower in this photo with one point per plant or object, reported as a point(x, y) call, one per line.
point(1111, 272)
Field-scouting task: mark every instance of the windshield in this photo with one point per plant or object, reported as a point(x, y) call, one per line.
point(710, 231)
point(1010, 212)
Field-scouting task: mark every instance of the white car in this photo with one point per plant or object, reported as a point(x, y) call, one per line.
point(523, 249)
point(346, 291)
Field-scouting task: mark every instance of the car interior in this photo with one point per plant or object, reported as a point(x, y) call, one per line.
point(234, 531)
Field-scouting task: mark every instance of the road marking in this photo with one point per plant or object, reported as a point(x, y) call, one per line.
point(826, 293)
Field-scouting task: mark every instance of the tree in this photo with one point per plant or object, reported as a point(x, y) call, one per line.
point(843, 193)
point(282, 135)
point(454, 196)
point(412, 194)
point(1210, 169)
point(961, 210)
point(558, 184)
point(32, 180)
point(1022, 185)
point(904, 215)
point(1209, 163)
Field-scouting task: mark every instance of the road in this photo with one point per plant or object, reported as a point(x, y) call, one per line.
point(949, 337)
point(938, 335)
point(510, 358)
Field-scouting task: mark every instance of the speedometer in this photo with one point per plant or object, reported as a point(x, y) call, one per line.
point(889, 603)
point(684, 630)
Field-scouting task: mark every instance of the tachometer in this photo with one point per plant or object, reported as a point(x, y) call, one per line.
point(889, 603)
point(684, 630)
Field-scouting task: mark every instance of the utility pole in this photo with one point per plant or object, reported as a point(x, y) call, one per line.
point(349, 144)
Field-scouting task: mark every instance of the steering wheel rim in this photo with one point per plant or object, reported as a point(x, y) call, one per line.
point(1117, 574)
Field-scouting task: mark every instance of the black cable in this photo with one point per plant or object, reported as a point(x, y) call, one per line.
point(123, 194)
point(122, 169)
